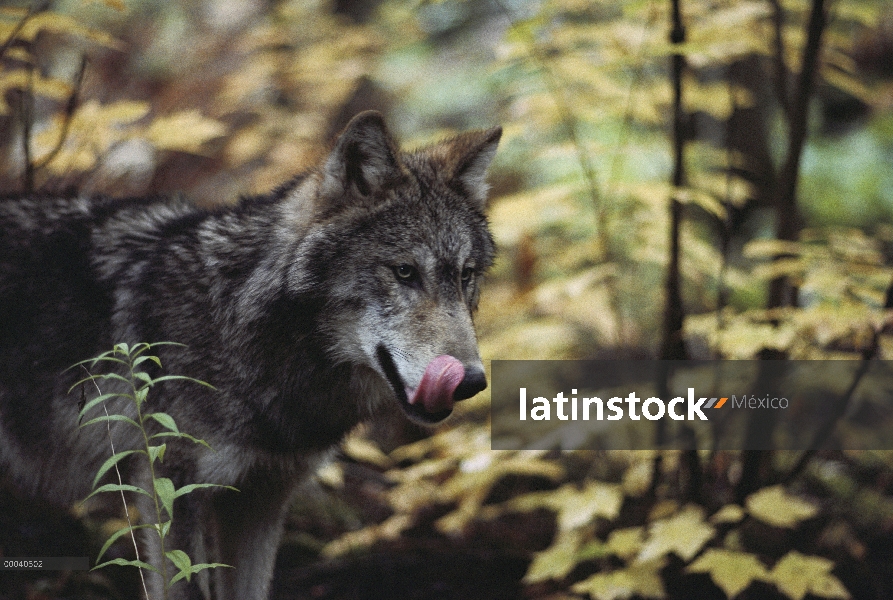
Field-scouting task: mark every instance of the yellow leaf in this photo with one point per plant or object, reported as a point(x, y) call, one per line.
point(642, 579)
point(731, 571)
point(766, 248)
point(575, 507)
point(186, 131)
point(797, 575)
point(626, 542)
point(773, 505)
point(730, 513)
point(93, 130)
point(578, 508)
point(361, 449)
point(684, 534)
point(367, 536)
point(19, 79)
point(556, 561)
point(121, 112)
point(59, 23)
point(471, 487)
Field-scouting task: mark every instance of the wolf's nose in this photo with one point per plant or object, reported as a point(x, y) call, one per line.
point(474, 381)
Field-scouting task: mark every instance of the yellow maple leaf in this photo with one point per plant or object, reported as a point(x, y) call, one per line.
point(187, 131)
point(730, 513)
point(642, 579)
point(797, 575)
point(684, 534)
point(773, 505)
point(556, 561)
point(626, 542)
point(731, 571)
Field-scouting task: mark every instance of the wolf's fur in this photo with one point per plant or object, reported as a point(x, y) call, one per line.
point(309, 310)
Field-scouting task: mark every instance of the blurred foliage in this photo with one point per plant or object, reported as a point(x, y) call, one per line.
point(218, 98)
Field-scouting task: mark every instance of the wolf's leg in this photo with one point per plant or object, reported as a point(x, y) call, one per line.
point(249, 526)
point(190, 533)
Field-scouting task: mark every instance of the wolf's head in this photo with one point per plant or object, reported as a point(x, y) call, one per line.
point(399, 242)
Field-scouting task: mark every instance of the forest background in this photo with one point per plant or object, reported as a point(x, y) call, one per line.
point(677, 178)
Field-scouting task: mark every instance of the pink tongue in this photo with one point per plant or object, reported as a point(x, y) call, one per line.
point(435, 392)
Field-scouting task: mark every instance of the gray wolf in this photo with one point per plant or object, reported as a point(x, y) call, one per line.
point(348, 290)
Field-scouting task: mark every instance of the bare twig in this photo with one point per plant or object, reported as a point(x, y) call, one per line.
point(781, 67)
point(68, 115)
point(781, 292)
point(16, 30)
point(673, 345)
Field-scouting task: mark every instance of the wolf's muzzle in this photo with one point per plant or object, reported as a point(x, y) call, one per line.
point(439, 394)
point(475, 381)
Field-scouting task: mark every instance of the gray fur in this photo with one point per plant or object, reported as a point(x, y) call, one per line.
point(289, 304)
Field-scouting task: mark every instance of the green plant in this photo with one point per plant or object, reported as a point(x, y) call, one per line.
point(136, 383)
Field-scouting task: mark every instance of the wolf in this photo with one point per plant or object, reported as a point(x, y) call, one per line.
point(349, 290)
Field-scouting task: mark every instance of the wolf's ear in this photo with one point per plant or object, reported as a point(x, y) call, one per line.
point(364, 159)
point(468, 157)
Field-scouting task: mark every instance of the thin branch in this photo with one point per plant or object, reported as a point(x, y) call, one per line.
point(68, 115)
point(722, 291)
point(673, 345)
point(781, 292)
point(780, 63)
point(16, 30)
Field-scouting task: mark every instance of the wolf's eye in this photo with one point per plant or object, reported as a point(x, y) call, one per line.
point(467, 272)
point(406, 273)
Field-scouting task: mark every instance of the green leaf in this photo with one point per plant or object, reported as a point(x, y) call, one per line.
point(180, 559)
point(773, 505)
point(166, 421)
point(164, 487)
point(126, 563)
point(164, 528)
point(114, 537)
point(105, 418)
point(104, 357)
point(195, 486)
point(137, 350)
point(182, 435)
point(195, 569)
point(117, 487)
point(143, 376)
point(97, 400)
point(140, 396)
point(116, 377)
point(142, 359)
point(157, 452)
point(731, 571)
point(111, 462)
point(122, 348)
point(182, 378)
